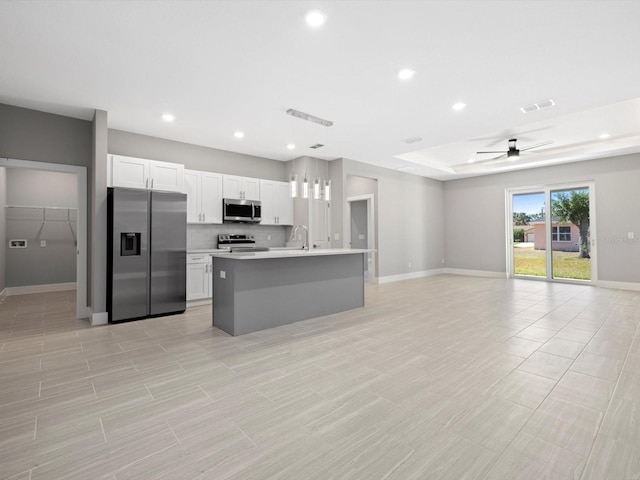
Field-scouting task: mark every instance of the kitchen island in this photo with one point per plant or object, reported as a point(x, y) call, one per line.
point(259, 290)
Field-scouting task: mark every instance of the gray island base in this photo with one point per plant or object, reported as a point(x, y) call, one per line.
point(256, 291)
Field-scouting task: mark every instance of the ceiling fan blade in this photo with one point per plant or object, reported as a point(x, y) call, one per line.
point(494, 151)
point(537, 145)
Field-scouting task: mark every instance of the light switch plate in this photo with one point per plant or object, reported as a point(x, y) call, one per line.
point(223, 274)
point(43, 243)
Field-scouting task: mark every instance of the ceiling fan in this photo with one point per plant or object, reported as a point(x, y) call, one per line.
point(513, 153)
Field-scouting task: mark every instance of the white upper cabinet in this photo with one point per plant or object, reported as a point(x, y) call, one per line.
point(166, 176)
point(133, 172)
point(129, 172)
point(277, 205)
point(204, 196)
point(244, 188)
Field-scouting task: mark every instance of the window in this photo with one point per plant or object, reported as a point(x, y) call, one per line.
point(561, 234)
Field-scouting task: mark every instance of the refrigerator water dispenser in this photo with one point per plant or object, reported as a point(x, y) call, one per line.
point(129, 244)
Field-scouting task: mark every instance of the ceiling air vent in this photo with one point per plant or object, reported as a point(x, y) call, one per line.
point(412, 140)
point(317, 145)
point(537, 106)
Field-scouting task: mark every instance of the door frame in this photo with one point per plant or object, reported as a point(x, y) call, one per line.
point(81, 226)
point(371, 235)
point(546, 189)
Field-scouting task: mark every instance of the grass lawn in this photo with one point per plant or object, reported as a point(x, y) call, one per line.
point(529, 261)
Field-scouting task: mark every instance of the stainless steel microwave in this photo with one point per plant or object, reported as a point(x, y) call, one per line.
point(237, 210)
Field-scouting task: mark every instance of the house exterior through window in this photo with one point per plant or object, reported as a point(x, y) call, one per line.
point(561, 233)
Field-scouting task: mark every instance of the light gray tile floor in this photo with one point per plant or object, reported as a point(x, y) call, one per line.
point(446, 377)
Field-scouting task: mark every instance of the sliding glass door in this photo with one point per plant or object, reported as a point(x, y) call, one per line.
point(550, 232)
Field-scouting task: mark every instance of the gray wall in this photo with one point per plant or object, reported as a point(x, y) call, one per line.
point(194, 157)
point(359, 224)
point(3, 237)
point(410, 217)
point(43, 137)
point(36, 265)
point(41, 187)
point(97, 213)
point(474, 230)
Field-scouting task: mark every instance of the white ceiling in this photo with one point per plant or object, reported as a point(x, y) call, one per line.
point(221, 66)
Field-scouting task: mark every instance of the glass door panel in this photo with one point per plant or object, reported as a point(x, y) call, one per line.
point(570, 238)
point(529, 234)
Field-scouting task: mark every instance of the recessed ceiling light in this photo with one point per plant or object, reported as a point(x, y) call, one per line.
point(167, 117)
point(315, 18)
point(406, 74)
point(238, 134)
point(604, 136)
point(291, 146)
point(459, 106)
point(471, 160)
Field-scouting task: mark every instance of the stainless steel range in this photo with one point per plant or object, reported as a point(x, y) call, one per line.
point(239, 242)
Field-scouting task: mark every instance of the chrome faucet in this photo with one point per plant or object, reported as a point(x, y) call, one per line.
point(305, 245)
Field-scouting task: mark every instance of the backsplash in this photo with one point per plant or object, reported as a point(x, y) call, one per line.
point(206, 236)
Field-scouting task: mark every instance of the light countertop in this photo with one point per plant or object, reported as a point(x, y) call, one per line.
point(314, 252)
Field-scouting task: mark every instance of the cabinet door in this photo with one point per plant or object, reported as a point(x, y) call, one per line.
point(211, 197)
point(251, 188)
point(165, 176)
point(129, 172)
point(284, 203)
point(192, 187)
point(231, 186)
point(269, 203)
point(197, 281)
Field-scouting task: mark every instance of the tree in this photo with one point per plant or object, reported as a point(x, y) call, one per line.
point(520, 218)
point(518, 235)
point(574, 208)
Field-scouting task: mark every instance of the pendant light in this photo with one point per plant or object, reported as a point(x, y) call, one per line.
point(327, 190)
point(316, 188)
point(305, 187)
point(293, 182)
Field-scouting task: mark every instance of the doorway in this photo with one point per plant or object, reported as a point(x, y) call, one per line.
point(550, 233)
point(79, 234)
point(361, 234)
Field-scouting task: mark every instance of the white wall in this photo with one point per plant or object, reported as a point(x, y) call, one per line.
point(474, 230)
point(410, 217)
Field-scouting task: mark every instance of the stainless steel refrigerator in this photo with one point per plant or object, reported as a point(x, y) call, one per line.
point(147, 253)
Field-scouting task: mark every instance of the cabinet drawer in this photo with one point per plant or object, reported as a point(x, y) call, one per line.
point(198, 258)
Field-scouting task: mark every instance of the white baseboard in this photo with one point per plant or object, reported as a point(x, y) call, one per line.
point(409, 276)
point(618, 285)
point(99, 318)
point(474, 273)
point(52, 287)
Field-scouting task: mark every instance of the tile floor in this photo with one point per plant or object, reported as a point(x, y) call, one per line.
point(446, 377)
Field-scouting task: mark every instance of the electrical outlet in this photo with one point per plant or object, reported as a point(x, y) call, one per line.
point(443, 260)
point(223, 274)
point(268, 238)
point(630, 236)
point(409, 264)
point(336, 236)
point(43, 243)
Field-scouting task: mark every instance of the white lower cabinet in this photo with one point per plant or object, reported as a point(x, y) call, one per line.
point(198, 276)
